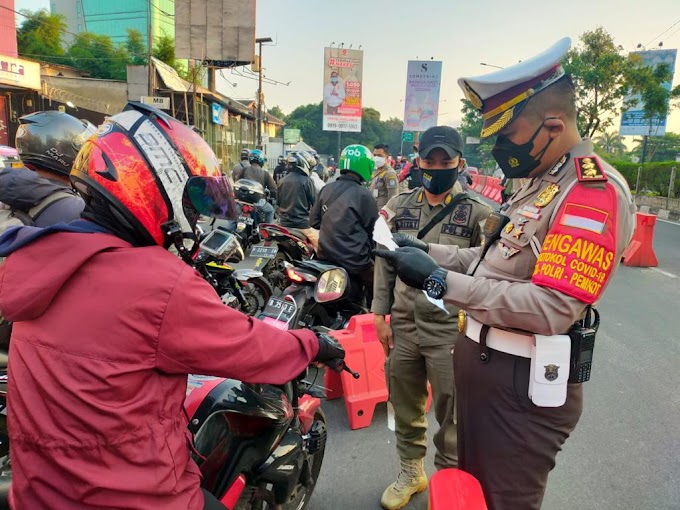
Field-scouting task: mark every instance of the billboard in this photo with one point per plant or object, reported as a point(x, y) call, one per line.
point(421, 106)
point(221, 32)
point(342, 78)
point(632, 120)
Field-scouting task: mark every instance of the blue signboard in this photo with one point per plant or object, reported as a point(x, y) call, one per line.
point(633, 121)
point(220, 115)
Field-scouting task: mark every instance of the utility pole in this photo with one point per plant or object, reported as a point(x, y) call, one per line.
point(259, 41)
point(150, 44)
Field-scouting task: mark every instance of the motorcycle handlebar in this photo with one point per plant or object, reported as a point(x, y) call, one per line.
point(338, 365)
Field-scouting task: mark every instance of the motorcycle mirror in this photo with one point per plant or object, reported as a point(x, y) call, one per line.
point(331, 285)
point(211, 196)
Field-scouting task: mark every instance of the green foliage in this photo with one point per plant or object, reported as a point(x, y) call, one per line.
point(610, 143)
point(277, 112)
point(99, 56)
point(308, 119)
point(649, 82)
point(477, 155)
point(39, 36)
point(164, 49)
point(136, 47)
point(599, 72)
point(654, 177)
point(659, 148)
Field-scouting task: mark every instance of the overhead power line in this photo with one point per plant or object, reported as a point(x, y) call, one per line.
point(662, 33)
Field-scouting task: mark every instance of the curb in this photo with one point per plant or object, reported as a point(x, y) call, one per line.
point(663, 214)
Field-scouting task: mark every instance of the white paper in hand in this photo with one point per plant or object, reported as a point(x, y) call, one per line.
point(439, 303)
point(383, 235)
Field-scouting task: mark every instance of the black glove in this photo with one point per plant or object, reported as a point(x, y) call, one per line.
point(413, 265)
point(329, 349)
point(404, 240)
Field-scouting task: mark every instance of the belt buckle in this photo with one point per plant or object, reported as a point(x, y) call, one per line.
point(462, 321)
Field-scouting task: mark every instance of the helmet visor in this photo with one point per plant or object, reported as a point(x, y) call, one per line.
point(211, 196)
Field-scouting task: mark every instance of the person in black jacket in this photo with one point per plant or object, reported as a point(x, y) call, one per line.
point(346, 213)
point(297, 195)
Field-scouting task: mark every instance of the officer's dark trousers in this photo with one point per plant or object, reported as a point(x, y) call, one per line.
point(504, 440)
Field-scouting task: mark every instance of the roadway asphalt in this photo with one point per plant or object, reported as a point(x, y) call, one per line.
point(625, 452)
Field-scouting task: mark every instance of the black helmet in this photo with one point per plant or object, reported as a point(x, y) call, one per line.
point(299, 161)
point(51, 140)
point(280, 159)
point(244, 154)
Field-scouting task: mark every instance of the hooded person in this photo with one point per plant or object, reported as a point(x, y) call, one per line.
point(109, 327)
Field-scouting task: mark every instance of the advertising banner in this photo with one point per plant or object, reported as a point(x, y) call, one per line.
point(421, 106)
point(632, 120)
point(342, 78)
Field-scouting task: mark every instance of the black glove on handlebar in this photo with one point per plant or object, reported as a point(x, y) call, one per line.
point(329, 349)
point(403, 240)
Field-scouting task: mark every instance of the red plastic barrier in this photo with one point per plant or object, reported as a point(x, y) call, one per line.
point(496, 194)
point(453, 489)
point(640, 251)
point(363, 354)
point(479, 186)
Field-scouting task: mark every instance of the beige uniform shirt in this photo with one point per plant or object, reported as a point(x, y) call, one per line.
point(412, 314)
point(501, 293)
point(384, 185)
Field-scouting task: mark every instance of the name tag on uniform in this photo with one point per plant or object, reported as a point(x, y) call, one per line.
point(456, 230)
point(407, 219)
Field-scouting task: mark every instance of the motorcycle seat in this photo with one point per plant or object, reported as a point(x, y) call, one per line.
point(298, 233)
point(316, 265)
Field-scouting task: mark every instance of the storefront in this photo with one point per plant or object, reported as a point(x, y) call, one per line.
point(19, 90)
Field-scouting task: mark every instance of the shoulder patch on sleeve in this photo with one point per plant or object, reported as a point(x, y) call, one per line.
point(579, 252)
point(589, 169)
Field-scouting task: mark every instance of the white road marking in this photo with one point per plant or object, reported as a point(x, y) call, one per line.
point(665, 273)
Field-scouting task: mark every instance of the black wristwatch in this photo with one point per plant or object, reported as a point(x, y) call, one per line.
point(435, 284)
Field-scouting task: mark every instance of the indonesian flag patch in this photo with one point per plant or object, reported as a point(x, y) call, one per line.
point(578, 253)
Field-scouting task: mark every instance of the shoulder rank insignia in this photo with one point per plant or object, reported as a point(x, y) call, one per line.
point(546, 196)
point(588, 169)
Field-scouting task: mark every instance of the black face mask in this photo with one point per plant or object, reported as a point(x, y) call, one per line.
point(439, 180)
point(516, 160)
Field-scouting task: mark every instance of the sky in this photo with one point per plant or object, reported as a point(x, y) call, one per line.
point(461, 34)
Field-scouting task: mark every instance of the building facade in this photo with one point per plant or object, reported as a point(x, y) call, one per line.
point(114, 18)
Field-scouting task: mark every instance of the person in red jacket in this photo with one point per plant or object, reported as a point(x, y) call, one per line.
point(108, 323)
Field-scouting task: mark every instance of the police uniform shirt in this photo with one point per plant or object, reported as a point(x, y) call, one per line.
point(412, 314)
point(493, 298)
point(384, 185)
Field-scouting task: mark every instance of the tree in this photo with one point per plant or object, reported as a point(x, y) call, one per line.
point(599, 71)
point(99, 56)
point(477, 155)
point(650, 82)
point(39, 36)
point(659, 148)
point(610, 143)
point(136, 47)
point(277, 112)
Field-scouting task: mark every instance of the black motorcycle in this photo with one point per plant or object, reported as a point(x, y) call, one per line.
point(243, 289)
point(320, 295)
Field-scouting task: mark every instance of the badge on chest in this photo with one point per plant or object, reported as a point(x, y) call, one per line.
point(407, 218)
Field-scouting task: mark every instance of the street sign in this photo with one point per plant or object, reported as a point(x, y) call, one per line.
point(158, 102)
point(291, 136)
point(407, 136)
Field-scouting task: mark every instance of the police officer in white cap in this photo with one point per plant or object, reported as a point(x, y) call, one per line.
point(526, 343)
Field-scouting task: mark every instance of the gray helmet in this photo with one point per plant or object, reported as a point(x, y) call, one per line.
point(299, 161)
point(51, 140)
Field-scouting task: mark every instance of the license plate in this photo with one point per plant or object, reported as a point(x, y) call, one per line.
point(280, 309)
point(264, 252)
point(246, 219)
point(16, 164)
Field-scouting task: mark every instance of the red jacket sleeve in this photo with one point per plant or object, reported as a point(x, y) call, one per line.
point(404, 173)
point(200, 335)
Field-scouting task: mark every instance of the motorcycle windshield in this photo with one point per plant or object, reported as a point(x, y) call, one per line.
point(211, 196)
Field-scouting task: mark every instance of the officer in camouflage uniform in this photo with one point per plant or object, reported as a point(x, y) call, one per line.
point(385, 181)
point(421, 336)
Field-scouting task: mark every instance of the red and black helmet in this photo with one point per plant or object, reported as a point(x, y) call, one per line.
point(138, 164)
